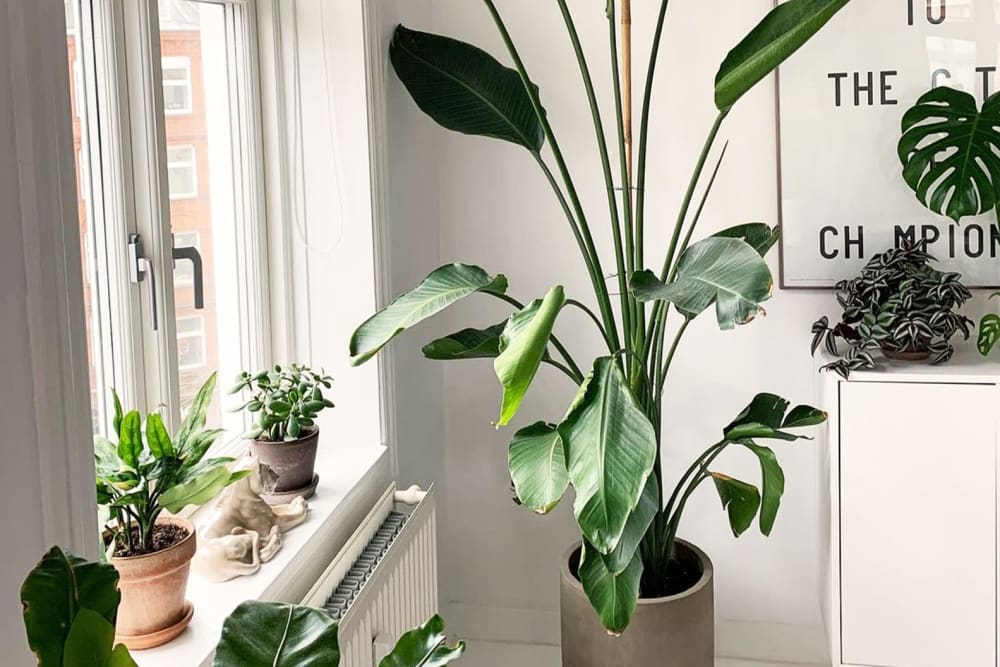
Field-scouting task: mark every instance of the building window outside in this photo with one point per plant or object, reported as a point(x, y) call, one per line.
point(192, 352)
point(184, 271)
point(177, 87)
point(182, 170)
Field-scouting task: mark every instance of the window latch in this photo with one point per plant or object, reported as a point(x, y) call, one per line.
point(139, 267)
point(191, 254)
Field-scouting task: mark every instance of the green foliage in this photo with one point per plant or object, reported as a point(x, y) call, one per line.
point(898, 303)
point(989, 332)
point(274, 634)
point(285, 401)
point(145, 474)
point(70, 606)
point(782, 32)
point(949, 152)
point(607, 447)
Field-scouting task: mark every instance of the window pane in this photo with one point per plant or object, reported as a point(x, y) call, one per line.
point(201, 158)
point(92, 272)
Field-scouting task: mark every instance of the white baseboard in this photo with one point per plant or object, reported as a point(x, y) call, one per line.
point(743, 640)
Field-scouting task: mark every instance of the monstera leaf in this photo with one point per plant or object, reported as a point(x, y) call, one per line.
point(423, 647)
point(948, 152)
point(268, 634)
point(523, 345)
point(610, 449)
point(440, 289)
point(537, 462)
point(989, 333)
point(786, 28)
point(613, 596)
point(70, 607)
point(725, 271)
point(464, 88)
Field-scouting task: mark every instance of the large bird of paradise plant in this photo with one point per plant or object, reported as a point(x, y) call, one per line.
point(608, 445)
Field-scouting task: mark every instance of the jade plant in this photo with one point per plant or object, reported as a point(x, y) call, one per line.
point(70, 607)
point(950, 152)
point(608, 447)
point(148, 471)
point(285, 400)
point(899, 305)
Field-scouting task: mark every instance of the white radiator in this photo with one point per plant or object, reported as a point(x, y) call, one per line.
point(384, 581)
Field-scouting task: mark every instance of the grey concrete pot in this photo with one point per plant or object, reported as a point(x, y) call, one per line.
point(294, 462)
point(675, 631)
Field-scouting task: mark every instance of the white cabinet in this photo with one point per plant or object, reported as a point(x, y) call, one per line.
point(911, 480)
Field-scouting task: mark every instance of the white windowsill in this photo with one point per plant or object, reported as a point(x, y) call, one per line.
point(351, 481)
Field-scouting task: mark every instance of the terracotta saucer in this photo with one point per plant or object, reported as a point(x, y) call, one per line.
point(285, 497)
point(160, 637)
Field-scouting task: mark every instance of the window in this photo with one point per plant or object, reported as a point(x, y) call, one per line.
point(149, 336)
point(191, 351)
point(182, 172)
point(176, 85)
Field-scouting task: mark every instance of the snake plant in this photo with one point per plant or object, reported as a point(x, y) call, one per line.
point(608, 445)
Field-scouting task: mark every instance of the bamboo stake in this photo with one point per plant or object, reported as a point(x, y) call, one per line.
point(627, 82)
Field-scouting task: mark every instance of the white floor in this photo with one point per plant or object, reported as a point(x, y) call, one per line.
point(487, 654)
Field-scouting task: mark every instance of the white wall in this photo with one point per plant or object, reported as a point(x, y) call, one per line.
point(499, 563)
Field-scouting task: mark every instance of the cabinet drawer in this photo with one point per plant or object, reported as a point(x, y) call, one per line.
point(918, 524)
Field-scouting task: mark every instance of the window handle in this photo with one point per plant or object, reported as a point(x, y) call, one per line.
point(139, 267)
point(191, 254)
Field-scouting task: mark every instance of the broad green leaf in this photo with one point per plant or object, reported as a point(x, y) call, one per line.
point(194, 420)
point(198, 445)
point(740, 499)
point(55, 592)
point(780, 34)
point(804, 415)
point(610, 449)
point(423, 647)
point(757, 235)
point(440, 289)
point(130, 439)
point(90, 641)
point(948, 150)
point(635, 528)
point(537, 462)
point(523, 345)
point(196, 491)
point(117, 422)
point(106, 461)
point(989, 333)
point(467, 344)
point(772, 487)
point(271, 634)
point(725, 271)
point(613, 596)
point(120, 658)
point(465, 89)
point(157, 437)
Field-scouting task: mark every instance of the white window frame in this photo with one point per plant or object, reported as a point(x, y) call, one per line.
point(181, 164)
point(182, 63)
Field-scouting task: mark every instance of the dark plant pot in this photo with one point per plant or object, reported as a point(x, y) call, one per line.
point(294, 462)
point(153, 610)
point(674, 631)
point(917, 355)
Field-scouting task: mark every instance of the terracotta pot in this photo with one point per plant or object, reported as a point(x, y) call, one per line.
point(294, 462)
point(153, 609)
point(674, 631)
point(918, 355)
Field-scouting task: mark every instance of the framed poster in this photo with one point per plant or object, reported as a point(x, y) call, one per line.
point(841, 99)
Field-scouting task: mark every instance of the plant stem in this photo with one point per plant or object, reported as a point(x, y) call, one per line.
point(590, 254)
point(575, 377)
point(640, 194)
point(661, 378)
point(593, 316)
point(602, 145)
point(697, 214)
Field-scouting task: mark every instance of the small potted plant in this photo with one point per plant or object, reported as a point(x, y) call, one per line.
point(285, 402)
point(140, 477)
point(900, 306)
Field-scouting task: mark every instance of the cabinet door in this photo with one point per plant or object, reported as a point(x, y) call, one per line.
point(918, 524)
